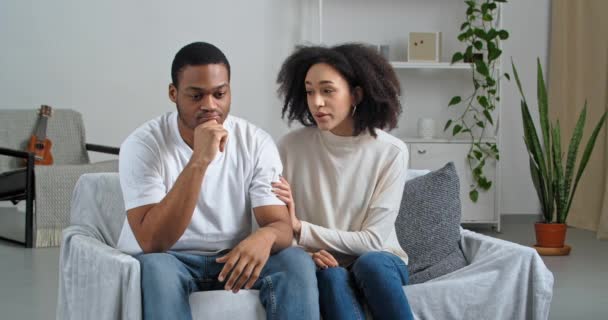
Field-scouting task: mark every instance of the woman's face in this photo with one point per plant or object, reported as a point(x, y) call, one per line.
point(330, 99)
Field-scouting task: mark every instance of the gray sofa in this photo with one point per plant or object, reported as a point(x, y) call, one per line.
point(502, 280)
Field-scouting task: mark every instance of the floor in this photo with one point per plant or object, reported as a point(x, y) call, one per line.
point(28, 277)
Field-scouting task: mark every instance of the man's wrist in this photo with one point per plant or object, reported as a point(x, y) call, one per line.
point(268, 234)
point(198, 165)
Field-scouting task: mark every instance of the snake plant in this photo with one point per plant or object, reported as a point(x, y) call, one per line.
point(552, 177)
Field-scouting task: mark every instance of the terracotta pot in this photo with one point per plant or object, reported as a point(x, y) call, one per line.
point(550, 235)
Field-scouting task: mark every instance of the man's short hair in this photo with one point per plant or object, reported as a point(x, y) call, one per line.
point(197, 54)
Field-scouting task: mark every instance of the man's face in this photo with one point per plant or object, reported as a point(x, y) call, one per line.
point(202, 94)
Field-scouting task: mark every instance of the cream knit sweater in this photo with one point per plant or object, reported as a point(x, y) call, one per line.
point(347, 190)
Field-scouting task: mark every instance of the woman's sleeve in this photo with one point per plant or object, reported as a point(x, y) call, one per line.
point(378, 224)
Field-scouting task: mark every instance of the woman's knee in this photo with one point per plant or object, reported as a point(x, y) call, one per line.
point(332, 277)
point(373, 264)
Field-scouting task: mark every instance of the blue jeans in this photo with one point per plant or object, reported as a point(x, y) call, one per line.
point(375, 277)
point(287, 284)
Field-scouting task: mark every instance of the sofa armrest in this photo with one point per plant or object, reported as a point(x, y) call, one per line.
point(96, 281)
point(14, 153)
point(103, 149)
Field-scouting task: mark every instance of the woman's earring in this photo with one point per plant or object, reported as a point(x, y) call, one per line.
point(354, 110)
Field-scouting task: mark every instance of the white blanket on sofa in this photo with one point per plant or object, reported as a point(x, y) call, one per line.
point(503, 280)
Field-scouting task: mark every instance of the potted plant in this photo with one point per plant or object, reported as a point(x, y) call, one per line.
point(551, 175)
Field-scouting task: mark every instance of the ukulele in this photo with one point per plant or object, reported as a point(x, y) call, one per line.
point(39, 144)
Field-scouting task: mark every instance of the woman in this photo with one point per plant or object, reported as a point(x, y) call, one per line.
point(344, 177)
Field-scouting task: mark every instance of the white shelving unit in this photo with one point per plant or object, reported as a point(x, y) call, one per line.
point(430, 65)
point(435, 153)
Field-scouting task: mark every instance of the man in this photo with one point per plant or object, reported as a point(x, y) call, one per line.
point(190, 179)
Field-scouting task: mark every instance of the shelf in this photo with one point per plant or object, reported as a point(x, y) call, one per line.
point(429, 65)
point(445, 140)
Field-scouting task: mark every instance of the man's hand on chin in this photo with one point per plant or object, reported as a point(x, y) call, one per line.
point(245, 262)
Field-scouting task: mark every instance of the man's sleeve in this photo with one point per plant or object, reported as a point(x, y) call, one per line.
point(267, 168)
point(140, 174)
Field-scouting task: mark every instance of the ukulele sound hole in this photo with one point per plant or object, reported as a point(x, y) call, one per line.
point(39, 146)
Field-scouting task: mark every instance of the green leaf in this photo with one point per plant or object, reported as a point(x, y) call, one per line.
point(447, 125)
point(487, 17)
point(537, 155)
point(478, 154)
point(539, 187)
point(503, 35)
point(456, 130)
point(575, 141)
point(477, 172)
point(521, 92)
point(464, 25)
point(455, 100)
point(491, 35)
point(585, 160)
point(507, 76)
point(484, 8)
point(478, 45)
point(543, 111)
point(491, 82)
point(558, 178)
point(480, 124)
point(488, 116)
point(492, 6)
point(465, 35)
point(474, 195)
point(457, 57)
point(486, 185)
point(470, 3)
point(483, 101)
point(480, 33)
point(468, 54)
point(482, 68)
point(494, 54)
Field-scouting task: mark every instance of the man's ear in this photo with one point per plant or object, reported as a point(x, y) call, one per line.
point(357, 95)
point(173, 92)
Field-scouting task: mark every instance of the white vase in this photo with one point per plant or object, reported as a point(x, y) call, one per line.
point(426, 128)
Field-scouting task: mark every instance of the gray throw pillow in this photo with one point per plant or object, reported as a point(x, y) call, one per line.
point(428, 224)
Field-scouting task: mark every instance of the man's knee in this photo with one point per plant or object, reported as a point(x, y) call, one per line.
point(295, 260)
point(156, 265)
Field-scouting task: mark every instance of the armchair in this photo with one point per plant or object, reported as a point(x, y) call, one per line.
point(46, 189)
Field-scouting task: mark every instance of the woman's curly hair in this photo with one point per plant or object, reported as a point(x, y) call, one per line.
point(361, 67)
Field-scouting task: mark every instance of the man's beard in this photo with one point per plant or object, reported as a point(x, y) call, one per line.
point(190, 125)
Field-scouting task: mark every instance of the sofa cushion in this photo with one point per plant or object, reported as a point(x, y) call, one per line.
point(428, 224)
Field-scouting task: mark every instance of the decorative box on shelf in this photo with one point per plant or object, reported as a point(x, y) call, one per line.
point(424, 46)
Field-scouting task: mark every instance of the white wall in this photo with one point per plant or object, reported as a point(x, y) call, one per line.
point(528, 23)
point(111, 59)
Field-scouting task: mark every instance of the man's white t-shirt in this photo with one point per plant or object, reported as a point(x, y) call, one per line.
point(237, 180)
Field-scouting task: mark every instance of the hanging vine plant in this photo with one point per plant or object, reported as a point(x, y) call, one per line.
point(482, 41)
